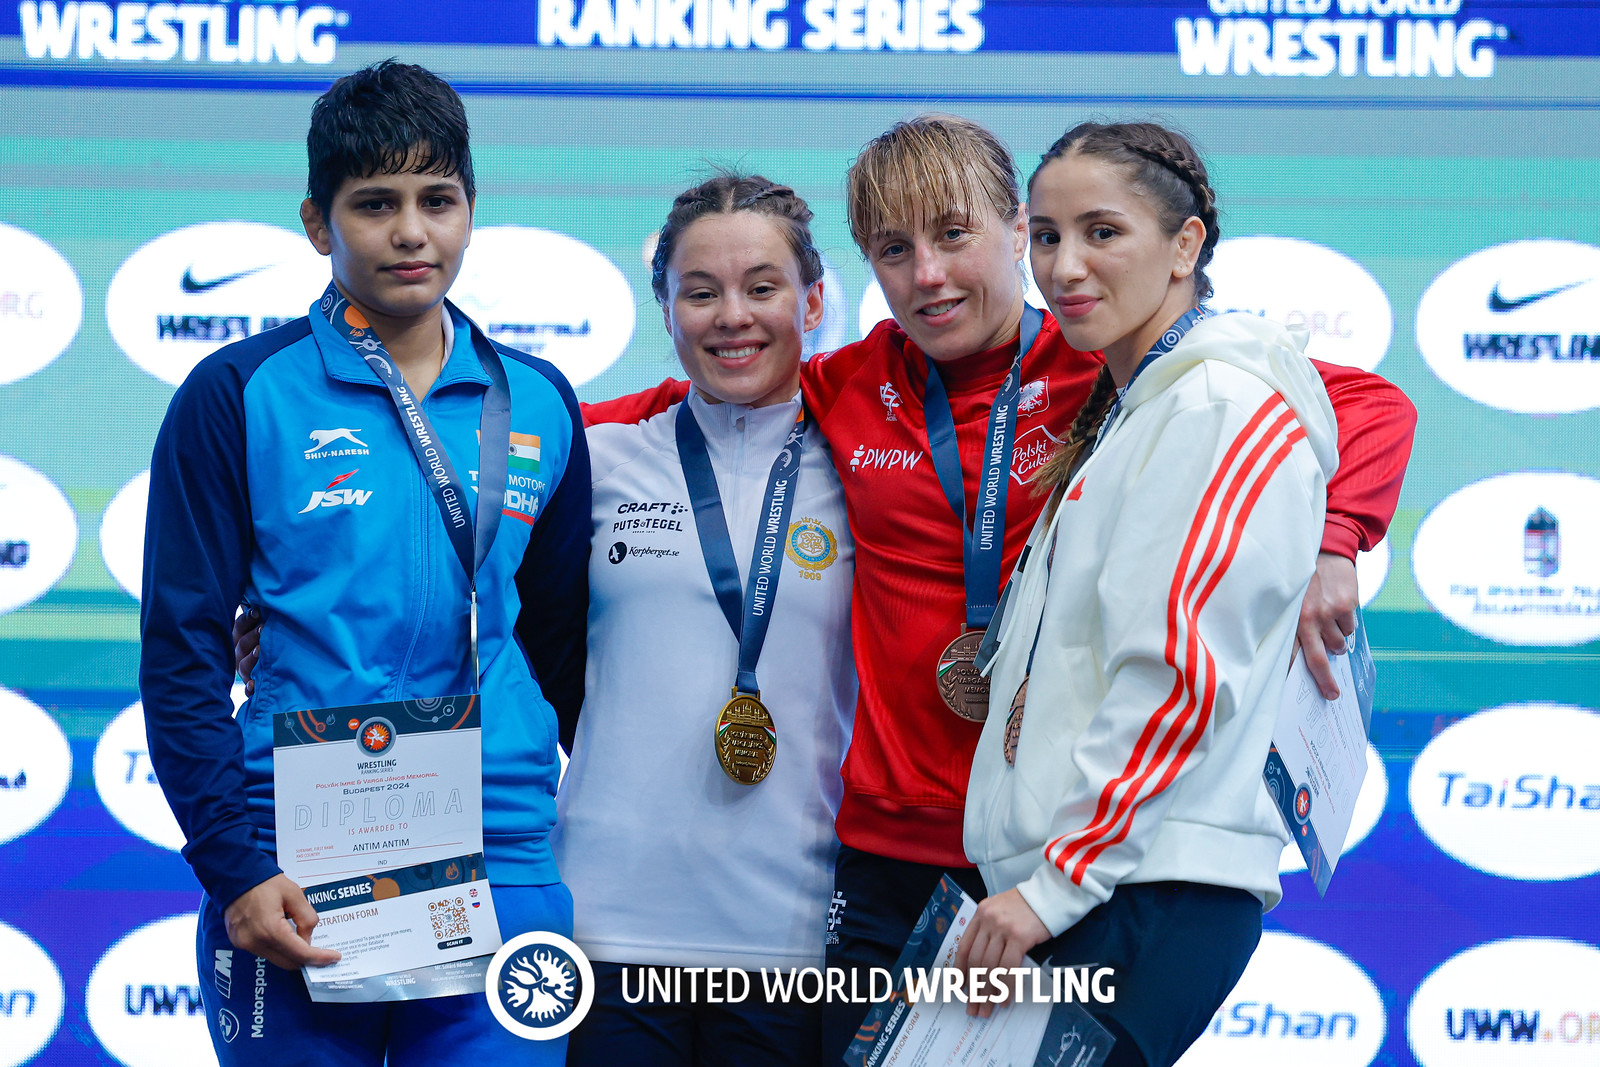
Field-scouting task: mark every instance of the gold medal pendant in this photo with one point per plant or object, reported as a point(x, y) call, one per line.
point(965, 691)
point(746, 741)
point(1014, 722)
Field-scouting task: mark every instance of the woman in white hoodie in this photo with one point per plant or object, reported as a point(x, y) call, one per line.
point(1116, 807)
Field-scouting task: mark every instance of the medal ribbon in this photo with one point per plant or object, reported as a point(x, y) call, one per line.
point(983, 541)
point(748, 620)
point(1164, 344)
point(470, 539)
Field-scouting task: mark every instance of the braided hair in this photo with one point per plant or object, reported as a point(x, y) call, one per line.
point(1164, 166)
point(729, 191)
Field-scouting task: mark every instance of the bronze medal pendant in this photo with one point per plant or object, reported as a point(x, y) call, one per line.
point(1014, 723)
point(965, 691)
point(746, 741)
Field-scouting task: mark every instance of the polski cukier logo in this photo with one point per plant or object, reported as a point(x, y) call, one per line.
point(540, 985)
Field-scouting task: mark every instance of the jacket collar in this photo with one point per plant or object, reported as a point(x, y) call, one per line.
point(340, 361)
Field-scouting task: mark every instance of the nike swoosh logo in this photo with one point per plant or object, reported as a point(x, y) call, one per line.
point(1500, 303)
point(189, 285)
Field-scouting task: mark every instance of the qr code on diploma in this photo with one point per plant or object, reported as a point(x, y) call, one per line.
point(449, 917)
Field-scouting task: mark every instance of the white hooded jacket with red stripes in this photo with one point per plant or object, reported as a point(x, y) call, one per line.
point(1165, 619)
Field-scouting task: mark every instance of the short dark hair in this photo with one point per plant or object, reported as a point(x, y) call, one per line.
point(385, 118)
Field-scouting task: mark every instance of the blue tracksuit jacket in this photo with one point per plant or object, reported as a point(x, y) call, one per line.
point(282, 475)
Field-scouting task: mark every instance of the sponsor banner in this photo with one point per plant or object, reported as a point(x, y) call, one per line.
point(1298, 1002)
point(126, 781)
point(41, 303)
point(1513, 558)
point(143, 997)
point(1517, 327)
point(1368, 39)
point(1310, 287)
point(874, 307)
point(1523, 1001)
point(122, 534)
point(31, 997)
point(185, 294)
point(38, 534)
point(1372, 570)
point(1363, 817)
point(35, 767)
point(548, 295)
point(1515, 791)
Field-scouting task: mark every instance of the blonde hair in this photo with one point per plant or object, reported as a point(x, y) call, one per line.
point(925, 168)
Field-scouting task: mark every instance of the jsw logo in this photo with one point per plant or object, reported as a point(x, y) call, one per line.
point(332, 498)
point(162, 999)
point(1482, 1025)
point(865, 458)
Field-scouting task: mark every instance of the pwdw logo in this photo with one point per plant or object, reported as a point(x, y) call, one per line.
point(540, 985)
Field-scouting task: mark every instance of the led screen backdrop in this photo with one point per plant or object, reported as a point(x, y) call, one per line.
point(1413, 180)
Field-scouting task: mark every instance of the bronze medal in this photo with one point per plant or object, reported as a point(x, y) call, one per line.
point(965, 691)
point(1014, 722)
point(746, 742)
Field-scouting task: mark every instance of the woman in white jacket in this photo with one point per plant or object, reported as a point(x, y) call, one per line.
point(1116, 807)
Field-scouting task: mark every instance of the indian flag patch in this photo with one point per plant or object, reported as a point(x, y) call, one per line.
point(524, 452)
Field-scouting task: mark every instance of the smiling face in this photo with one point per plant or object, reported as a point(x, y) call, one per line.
point(396, 241)
point(952, 281)
point(1114, 277)
point(737, 308)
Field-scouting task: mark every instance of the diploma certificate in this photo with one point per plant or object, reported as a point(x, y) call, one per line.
point(380, 821)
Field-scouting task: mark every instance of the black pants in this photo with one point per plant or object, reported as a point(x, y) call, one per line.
point(1177, 948)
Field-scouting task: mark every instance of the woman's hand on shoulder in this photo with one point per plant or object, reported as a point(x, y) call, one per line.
point(1000, 934)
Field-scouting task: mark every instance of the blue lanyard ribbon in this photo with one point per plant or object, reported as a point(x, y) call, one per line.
point(471, 540)
point(1164, 344)
point(748, 620)
point(983, 540)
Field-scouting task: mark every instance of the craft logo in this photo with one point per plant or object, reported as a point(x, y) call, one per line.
point(812, 547)
point(35, 765)
point(549, 295)
point(375, 736)
point(330, 497)
point(322, 442)
point(891, 400)
point(39, 530)
point(1368, 810)
point(1299, 1001)
point(143, 998)
point(161, 33)
point(31, 998)
point(539, 986)
point(122, 534)
point(1541, 544)
point(1533, 1001)
point(1030, 452)
point(1344, 37)
point(1035, 398)
point(1514, 791)
point(1517, 326)
point(1310, 287)
point(884, 459)
point(187, 293)
point(662, 515)
point(41, 303)
point(766, 25)
point(1489, 558)
point(126, 781)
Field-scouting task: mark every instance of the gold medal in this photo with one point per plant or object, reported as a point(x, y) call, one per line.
point(746, 742)
point(965, 691)
point(1014, 722)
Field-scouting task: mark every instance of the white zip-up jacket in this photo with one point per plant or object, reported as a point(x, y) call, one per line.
point(1165, 622)
point(669, 860)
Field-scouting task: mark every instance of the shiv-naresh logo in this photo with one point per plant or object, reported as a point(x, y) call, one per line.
point(540, 985)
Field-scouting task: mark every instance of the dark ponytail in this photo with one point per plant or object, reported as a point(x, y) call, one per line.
point(724, 194)
point(1165, 166)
